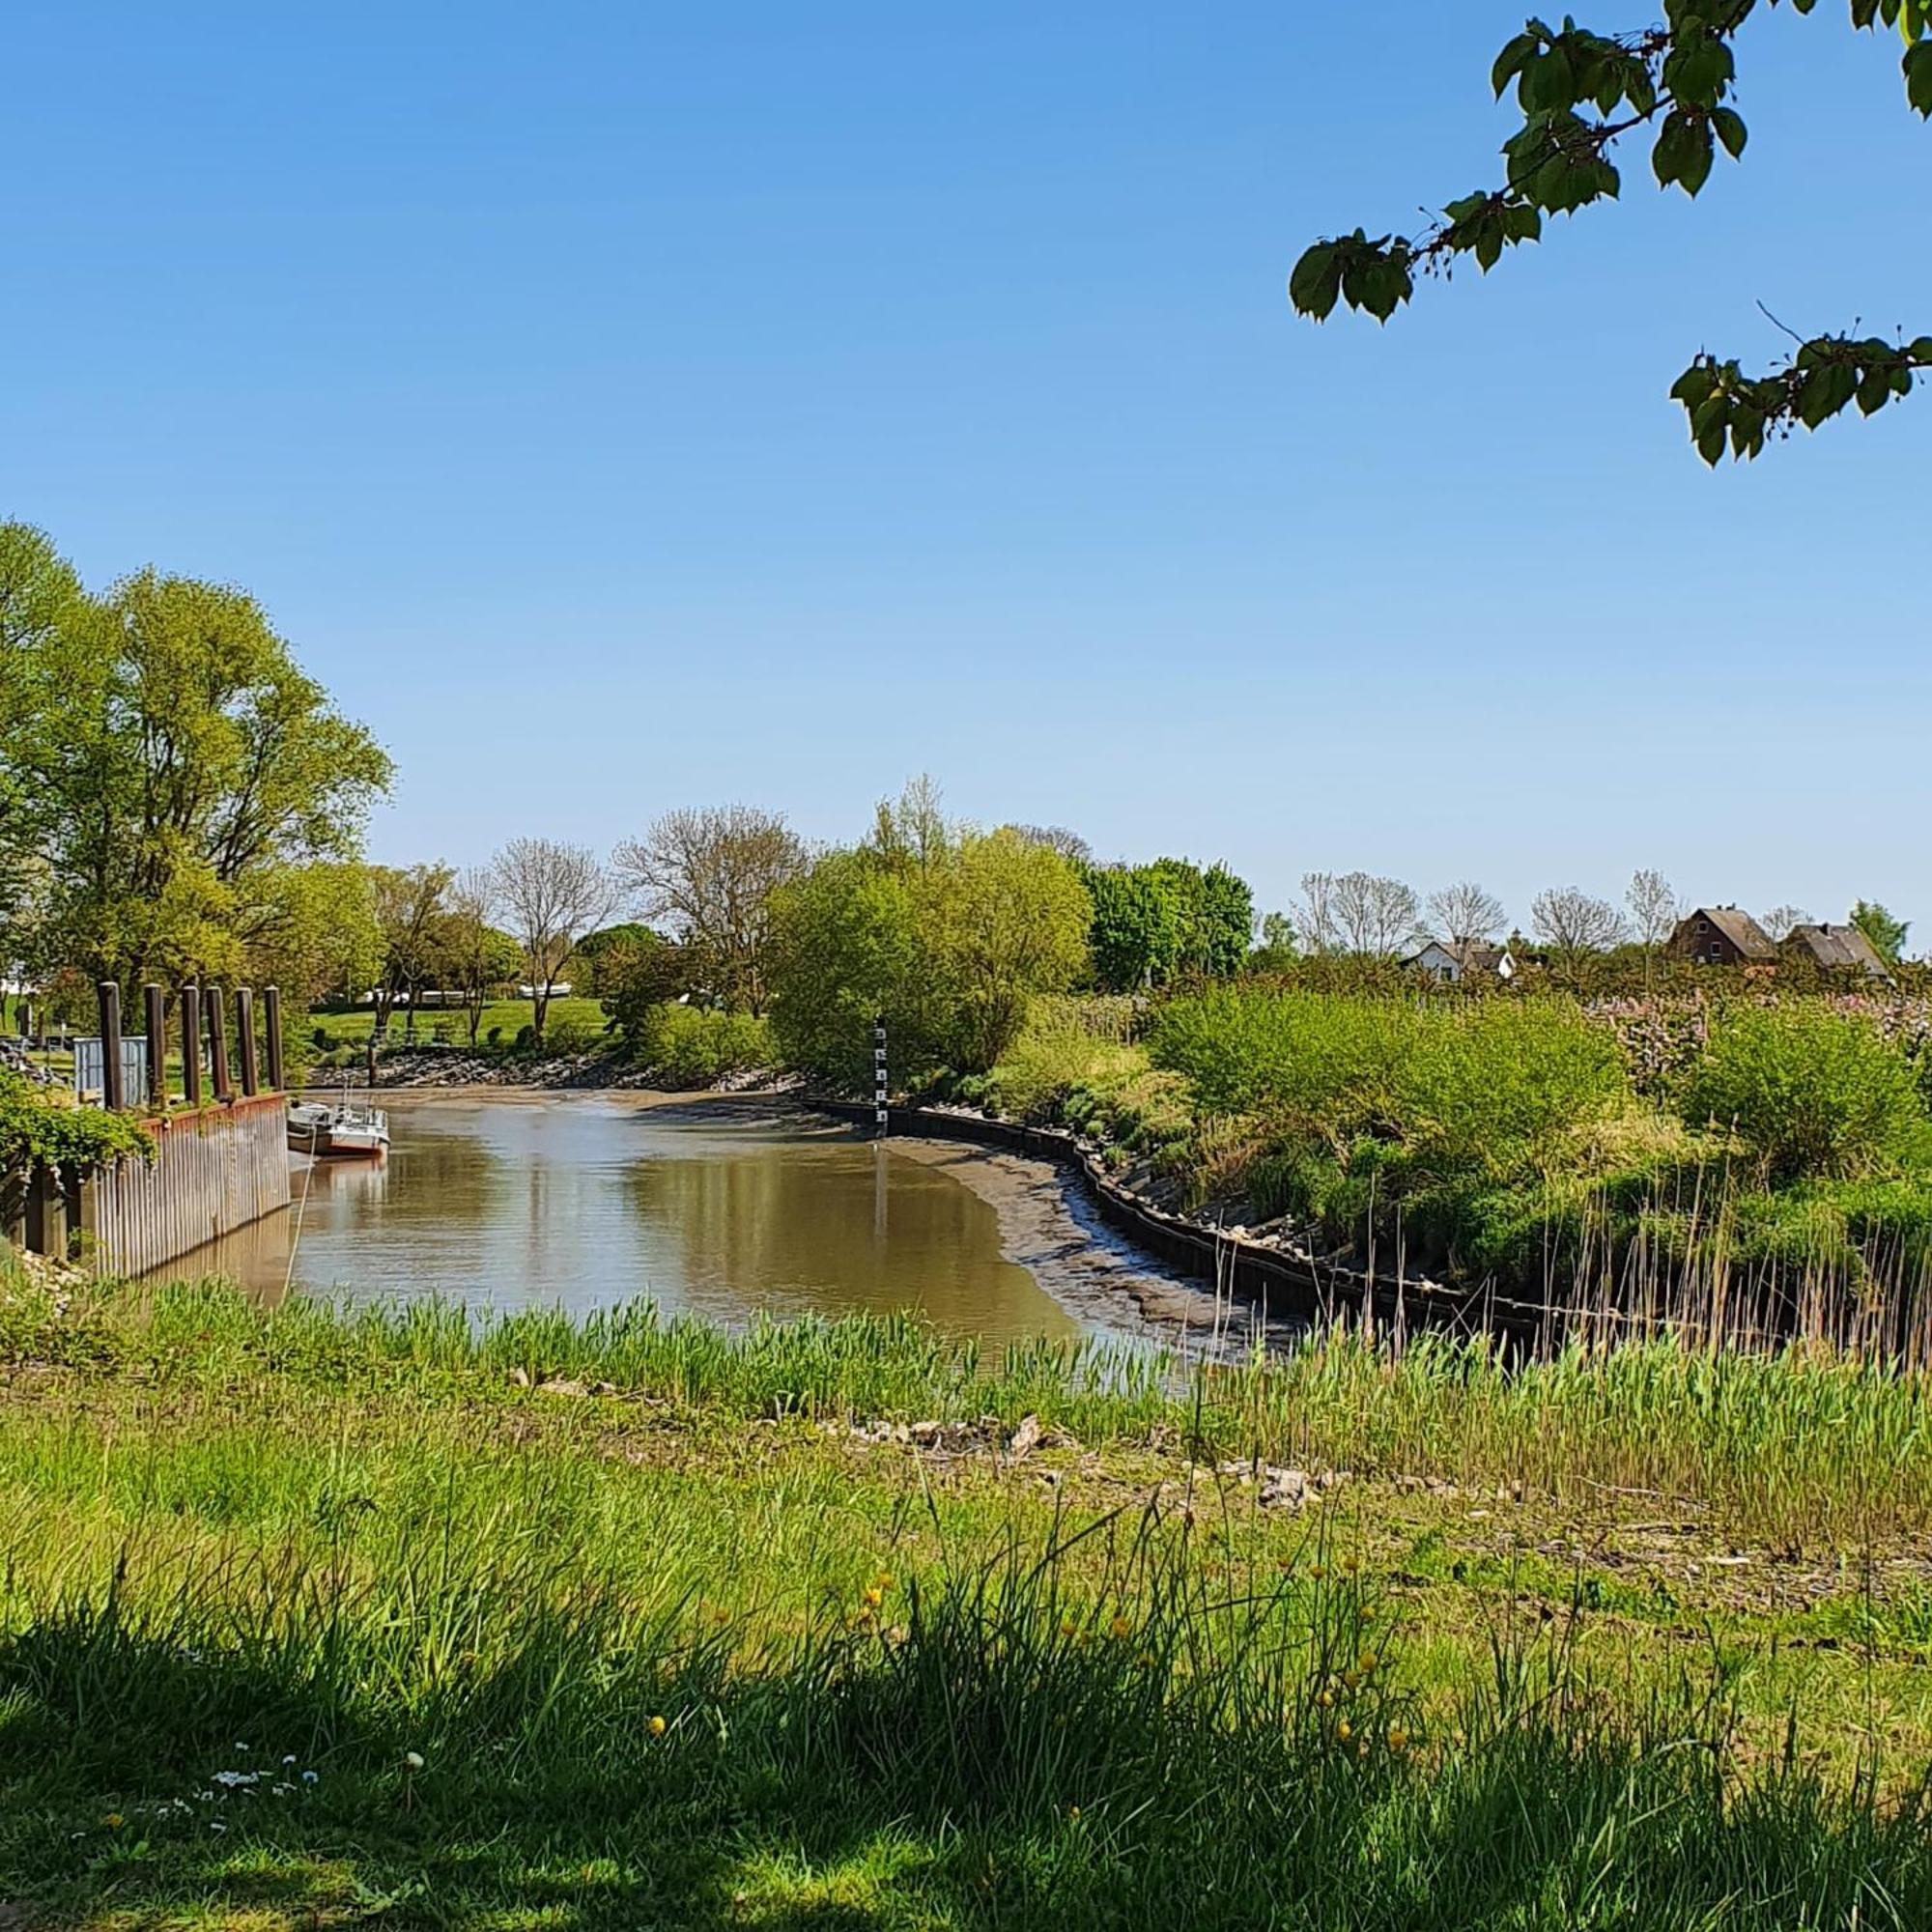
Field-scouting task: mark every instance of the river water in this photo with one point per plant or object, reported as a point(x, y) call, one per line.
point(710, 1207)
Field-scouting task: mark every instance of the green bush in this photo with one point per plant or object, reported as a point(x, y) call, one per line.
point(1493, 1086)
point(689, 1046)
point(1813, 1094)
point(1486, 1085)
point(39, 1130)
point(1322, 1061)
point(569, 1035)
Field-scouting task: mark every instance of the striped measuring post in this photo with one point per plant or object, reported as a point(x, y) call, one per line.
point(881, 1113)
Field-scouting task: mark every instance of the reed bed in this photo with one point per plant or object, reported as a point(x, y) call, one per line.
point(1799, 1446)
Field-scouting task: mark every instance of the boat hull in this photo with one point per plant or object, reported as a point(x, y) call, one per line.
point(327, 1143)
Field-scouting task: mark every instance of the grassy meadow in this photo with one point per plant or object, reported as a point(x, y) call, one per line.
point(569, 1018)
point(310, 1617)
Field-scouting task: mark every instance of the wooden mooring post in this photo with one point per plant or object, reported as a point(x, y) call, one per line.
point(244, 1034)
point(156, 1001)
point(218, 1041)
point(272, 1021)
point(113, 1094)
point(191, 1011)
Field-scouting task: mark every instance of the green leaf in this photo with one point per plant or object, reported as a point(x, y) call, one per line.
point(1684, 153)
point(1875, 391)
point(1693, 385)
point(1918, 77)
point(1711, 443)
point(1731, 131)
point(1921, 351)
point(1548, 83)
point(1510, 62)
point(1316, 282)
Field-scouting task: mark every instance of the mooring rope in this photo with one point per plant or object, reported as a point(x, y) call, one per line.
point(301, 1208)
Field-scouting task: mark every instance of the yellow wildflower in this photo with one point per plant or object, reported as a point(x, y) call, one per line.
point(114, 1821)
point(1121, 1629)
point(1343, 1731)
point(1398, 1739)
point(656, 1726)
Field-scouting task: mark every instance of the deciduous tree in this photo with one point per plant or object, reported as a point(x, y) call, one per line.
point(480, 959)
point(708, 876)
point(1651, 901)
point(552, 894)
point(165, 758)
point(1466, 914)
point(1568, 920)
point(1357, 912)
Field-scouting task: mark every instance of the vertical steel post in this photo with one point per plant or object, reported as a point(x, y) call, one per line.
point(244, 1034)
point(271, 1023)
point(882, 1117)
point(191, 1010)
point(156, 1001)
point(112, 1096)
point(218, 1041)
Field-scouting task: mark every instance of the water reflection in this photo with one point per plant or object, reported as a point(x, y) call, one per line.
point(591, 1201)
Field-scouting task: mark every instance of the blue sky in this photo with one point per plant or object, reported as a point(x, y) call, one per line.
point(624, 406)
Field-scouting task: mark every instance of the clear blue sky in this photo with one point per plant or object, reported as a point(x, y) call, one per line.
point(631, 406)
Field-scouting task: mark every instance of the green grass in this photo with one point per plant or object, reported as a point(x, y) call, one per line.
point(507, 1016)
point(1640, 1640)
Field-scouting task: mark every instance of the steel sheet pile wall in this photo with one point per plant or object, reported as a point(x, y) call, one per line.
point(215, 1170)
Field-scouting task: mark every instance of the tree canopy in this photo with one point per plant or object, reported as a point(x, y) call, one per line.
point(1168, 921)
point(943, 932)
point(1581, 93)
point(164, 762)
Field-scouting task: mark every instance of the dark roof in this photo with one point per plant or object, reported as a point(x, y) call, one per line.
point(1744, 932)
point(1472, 958)
point(1838, 947)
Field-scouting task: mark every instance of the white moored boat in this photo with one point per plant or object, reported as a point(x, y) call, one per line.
point(338, 1129)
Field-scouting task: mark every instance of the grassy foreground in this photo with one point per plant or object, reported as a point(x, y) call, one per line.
point(307, 1619)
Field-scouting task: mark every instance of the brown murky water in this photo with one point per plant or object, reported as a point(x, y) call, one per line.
point(713, 1209)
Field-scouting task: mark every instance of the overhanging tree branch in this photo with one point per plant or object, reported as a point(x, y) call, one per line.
point(1580, 92)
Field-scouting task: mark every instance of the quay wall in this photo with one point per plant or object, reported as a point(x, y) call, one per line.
point(215, 1170)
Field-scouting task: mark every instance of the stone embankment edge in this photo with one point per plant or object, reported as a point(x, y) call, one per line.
point(1283, 1286)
